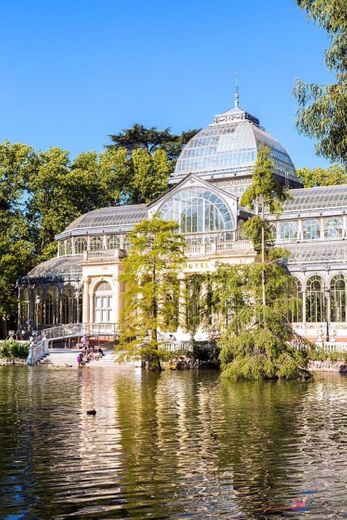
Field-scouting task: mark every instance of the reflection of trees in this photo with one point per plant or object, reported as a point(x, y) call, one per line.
point(35, 440)
point(260, 441)
point(200, 445)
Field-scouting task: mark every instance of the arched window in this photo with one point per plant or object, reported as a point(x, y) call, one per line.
point(103, 303)
point(49, 309)
point(25, 305)
point(96, 243)
point(338, 299)
point(61, 248)
point(198, 210)
point(273, 232)
point(113, 242)
point(311, 230)
point(295, 315)
point(126, 243)
point(333, 228)
point(289, 231)
point(65, 317)
point(315, 300)
point(80, 245)
point(68, 247)
point(77, 308)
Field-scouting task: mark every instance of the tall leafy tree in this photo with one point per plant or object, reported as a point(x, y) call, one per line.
point(263, 194)
point(322, 110)
point(17, 164)
point(151, 139)
point(311, 177)
point(151, 174)
point(151, 288)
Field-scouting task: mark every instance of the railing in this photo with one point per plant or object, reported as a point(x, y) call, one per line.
point(202, 249)
point(330, 346)
point(178, 346)
point(103, 254)
point(37, 351)
point(79, 329)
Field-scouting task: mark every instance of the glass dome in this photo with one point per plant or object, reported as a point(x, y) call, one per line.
point(229, 146)
point(198, 210)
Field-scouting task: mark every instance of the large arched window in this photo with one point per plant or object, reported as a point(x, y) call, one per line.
point(96, 243)
point(112, 242)
point(25, 305)
point(338, 299)
point(68, 246)
point(198, 210)
point(61, 248)
point(333, 228)
point(311, 230)
point(295, 314)
point(49, 308)
point(315, 300)
point(80, 245)
point(288, 231)
point(103, 303)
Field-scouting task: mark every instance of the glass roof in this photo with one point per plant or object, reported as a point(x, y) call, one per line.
point(112, 219)
point(321, 253)
point(323, 197)
point(68, 267)
point(230, 144)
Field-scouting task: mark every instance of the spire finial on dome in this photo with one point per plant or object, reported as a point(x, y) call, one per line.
point(237, 93)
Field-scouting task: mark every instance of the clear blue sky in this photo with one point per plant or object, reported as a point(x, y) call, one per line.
point(74, 71)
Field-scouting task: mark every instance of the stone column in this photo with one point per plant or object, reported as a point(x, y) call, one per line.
point(182, 305)
point(85, 302)
point(116, 304)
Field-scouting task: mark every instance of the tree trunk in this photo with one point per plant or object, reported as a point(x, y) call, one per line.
point(263, 281)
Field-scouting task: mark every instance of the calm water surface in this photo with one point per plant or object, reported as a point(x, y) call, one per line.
point(175, 445)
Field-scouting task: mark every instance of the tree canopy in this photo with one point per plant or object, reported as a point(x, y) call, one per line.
point(322, 110)
point(151, 288)
point(151, 139)
point(311, 177)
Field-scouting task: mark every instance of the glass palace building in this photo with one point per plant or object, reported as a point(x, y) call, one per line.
point(81, 284)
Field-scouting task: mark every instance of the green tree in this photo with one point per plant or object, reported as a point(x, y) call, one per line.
point(311, 177)
point(263, 194)
point(17, 164)
point(151, 288)
point(151, 139)
point(257, 342)
point(151, 174)
point(322, 110)
point(49, 206)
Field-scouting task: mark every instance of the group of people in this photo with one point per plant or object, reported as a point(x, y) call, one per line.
point(88, 353)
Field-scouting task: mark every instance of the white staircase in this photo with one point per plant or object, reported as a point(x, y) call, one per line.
point(68, 358)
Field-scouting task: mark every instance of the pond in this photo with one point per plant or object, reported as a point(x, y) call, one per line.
point(175, 445)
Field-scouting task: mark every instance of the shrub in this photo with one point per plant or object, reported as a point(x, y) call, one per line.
point(14, 350)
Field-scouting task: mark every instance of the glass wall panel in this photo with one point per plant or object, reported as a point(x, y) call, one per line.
point(61, 248)
point(333, 228)
point(338, 299)
point(289, 231)
point(68, 247)
point(315, 300)
point(311, 230)
point(80, 245)
point(198, 210)
point(112, 242)
point(96, 243)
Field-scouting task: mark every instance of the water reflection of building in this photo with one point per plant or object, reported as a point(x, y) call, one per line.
point(213, 170)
